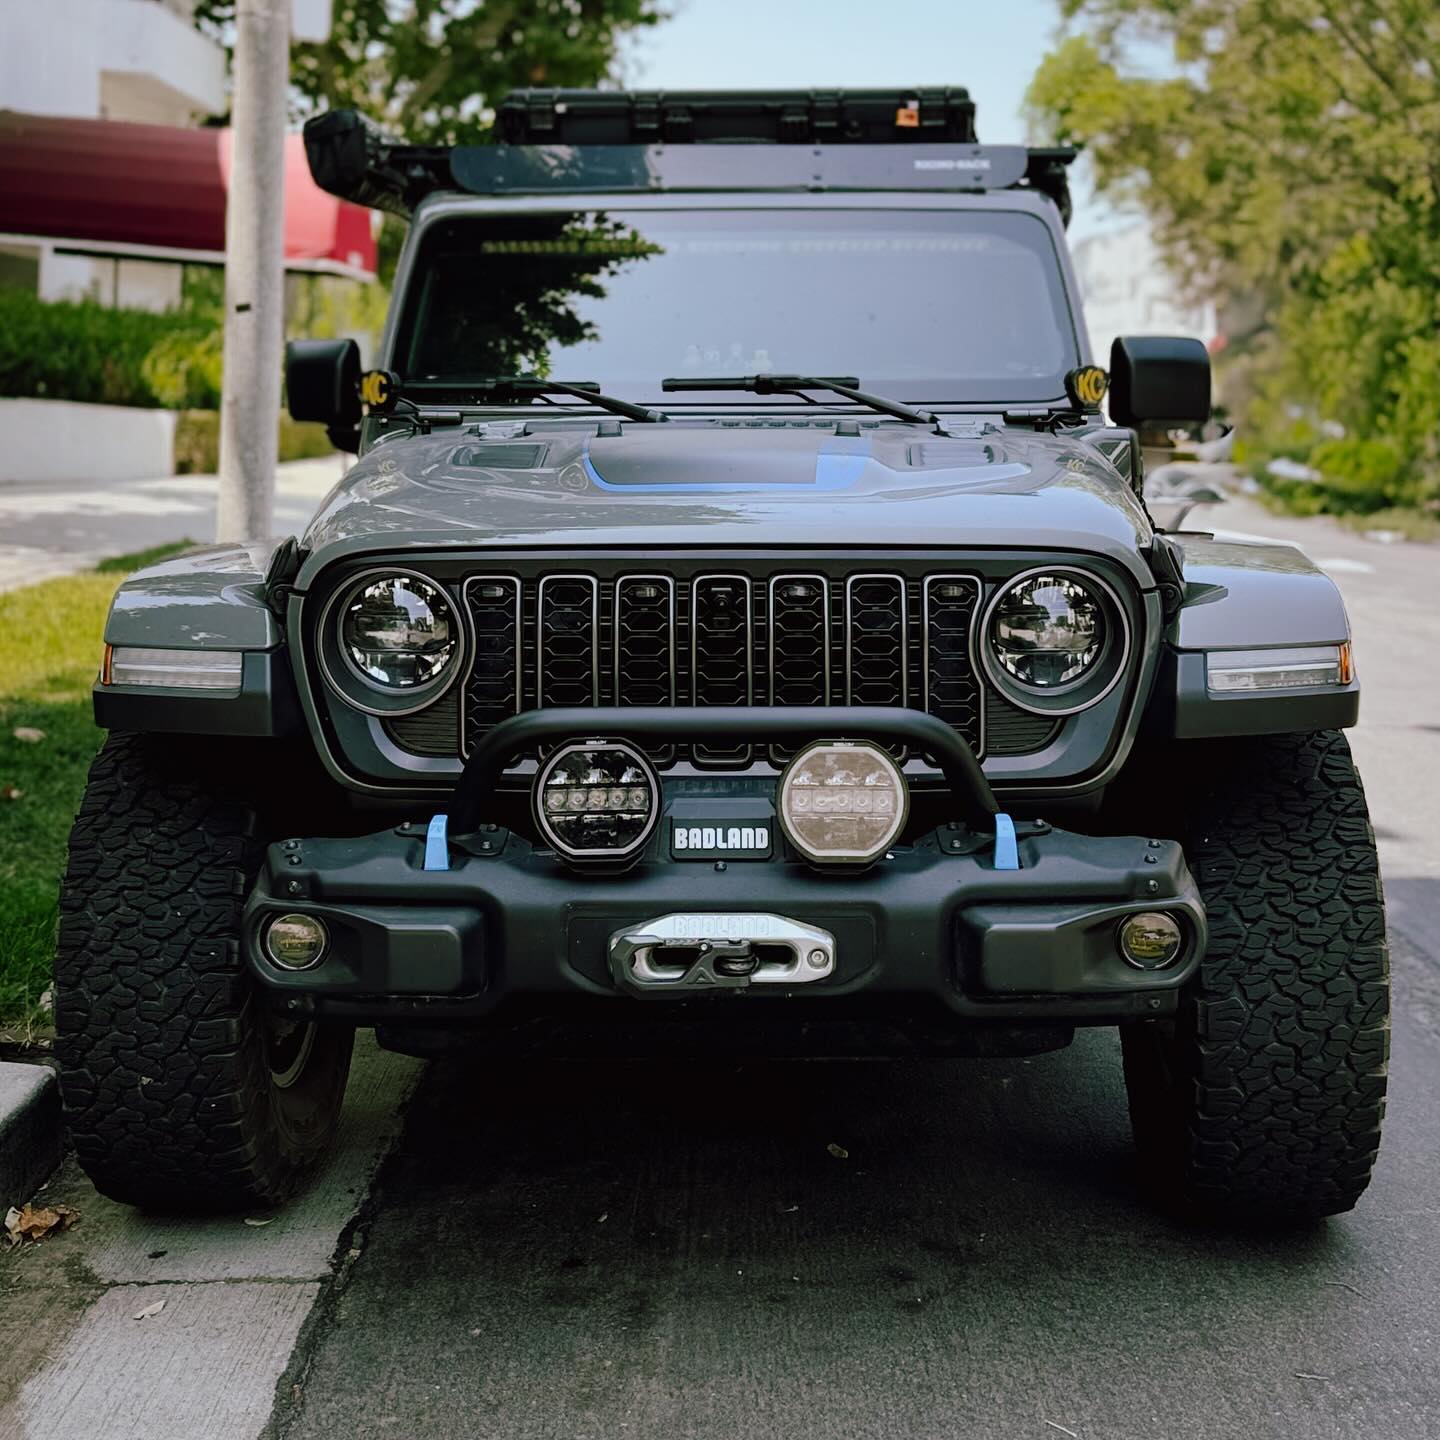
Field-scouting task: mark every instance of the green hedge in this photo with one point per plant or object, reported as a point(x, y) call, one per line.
point(84, 351)
point(197, 441)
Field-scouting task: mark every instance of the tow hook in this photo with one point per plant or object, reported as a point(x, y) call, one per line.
point(737, 959)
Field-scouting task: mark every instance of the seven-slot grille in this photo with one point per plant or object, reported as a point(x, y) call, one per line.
point(723, 639)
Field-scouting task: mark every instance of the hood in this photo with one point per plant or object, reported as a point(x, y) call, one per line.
point(726, 484)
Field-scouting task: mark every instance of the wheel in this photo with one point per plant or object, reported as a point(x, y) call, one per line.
point(182, 1088)
point(1262, 1100)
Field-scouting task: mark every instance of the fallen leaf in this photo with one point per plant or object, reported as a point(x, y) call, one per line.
point(258, 1220)
point(10, 792)
point(838, 1151)
point(150, 1310)
point(29, 734)
point(35, 1222)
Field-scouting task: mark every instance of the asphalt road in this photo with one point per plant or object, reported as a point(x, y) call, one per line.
point(676, 1251)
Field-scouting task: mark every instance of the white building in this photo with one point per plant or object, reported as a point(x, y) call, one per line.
point(1128, 291)
point(136, 60)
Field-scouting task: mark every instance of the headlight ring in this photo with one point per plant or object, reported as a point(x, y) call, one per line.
point(1054, 640)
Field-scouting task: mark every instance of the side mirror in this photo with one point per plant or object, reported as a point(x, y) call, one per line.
point(1159, 380)
point(322, 382)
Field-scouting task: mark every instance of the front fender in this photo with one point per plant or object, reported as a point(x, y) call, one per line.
point(1240, 596)
point(211, 599)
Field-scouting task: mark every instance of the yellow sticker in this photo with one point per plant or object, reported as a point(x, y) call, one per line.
point(1086, 386)
point(377, 389)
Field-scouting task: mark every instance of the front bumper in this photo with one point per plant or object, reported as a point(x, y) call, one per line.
point(934, 927)
point(935, 921)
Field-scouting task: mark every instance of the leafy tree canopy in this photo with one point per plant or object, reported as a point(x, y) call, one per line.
point(1289, 155)
point(431, 70)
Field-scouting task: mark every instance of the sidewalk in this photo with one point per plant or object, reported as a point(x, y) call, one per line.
point(60, 527)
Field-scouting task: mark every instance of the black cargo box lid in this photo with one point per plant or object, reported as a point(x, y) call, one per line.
point(785, 117)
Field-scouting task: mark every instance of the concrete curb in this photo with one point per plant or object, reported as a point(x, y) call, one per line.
point(31, 1135)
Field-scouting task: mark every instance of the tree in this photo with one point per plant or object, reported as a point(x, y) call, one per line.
point(432, 70)
point(1292, 153)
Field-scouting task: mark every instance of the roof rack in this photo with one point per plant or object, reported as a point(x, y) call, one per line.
point(733, 141)
point(700, 117)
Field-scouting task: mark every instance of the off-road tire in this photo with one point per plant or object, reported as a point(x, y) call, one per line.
point(167, 1047)
point(1262, 1101)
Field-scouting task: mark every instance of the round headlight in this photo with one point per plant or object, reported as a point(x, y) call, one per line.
point(843, 802)
point(597, 801)
point(399, 632)
point(1048, 631)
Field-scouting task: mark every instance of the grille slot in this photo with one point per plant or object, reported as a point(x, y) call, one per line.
point(645, 630)
point(798, 649)
point(952, 688)
point(722, 663)
point(567, 627)
point(876, 636)
point(492, 691)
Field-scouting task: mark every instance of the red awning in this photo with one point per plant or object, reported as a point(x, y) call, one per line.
point(104, 187)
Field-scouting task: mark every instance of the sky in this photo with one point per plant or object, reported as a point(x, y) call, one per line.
point(991, 47)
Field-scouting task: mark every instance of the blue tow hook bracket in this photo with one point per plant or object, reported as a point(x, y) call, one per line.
point(437, 844)
point(1007, 852)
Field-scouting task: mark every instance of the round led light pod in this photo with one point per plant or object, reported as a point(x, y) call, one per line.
point(295, 942)
point(843, 802)
point(597, 801)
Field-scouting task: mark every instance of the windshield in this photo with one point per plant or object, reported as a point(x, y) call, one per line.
point(925, 305)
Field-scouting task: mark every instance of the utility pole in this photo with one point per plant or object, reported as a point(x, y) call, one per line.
point(254, 272)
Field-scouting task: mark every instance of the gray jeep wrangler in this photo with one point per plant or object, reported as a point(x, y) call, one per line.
point(742, 632)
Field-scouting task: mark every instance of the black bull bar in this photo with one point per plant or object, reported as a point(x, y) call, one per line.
point(923, 733)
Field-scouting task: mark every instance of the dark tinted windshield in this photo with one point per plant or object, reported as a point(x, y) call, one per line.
point(925, 304)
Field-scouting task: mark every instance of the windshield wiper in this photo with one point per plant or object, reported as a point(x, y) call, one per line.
point(513, 387)
point(796, 385)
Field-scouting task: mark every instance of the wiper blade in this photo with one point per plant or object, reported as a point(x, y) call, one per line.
point(797, 384)
point(515, 386)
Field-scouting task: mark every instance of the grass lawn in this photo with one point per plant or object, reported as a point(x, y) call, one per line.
point(48, 661)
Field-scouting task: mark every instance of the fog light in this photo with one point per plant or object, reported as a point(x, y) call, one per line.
point(296, 942)
point(1151, 940)
point(597, 801)
point(842, 802)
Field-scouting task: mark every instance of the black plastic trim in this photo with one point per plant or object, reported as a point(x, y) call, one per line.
point(1183, 708)
point(267, 704)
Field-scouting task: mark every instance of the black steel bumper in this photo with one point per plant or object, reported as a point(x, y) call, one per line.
point(511, 920)
point(935, 924)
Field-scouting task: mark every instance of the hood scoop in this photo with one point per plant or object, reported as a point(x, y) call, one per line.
point(953, 454)
point(500, 456)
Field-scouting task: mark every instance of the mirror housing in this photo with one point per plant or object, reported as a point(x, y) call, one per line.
point(1157, 381)
point(322, 383)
